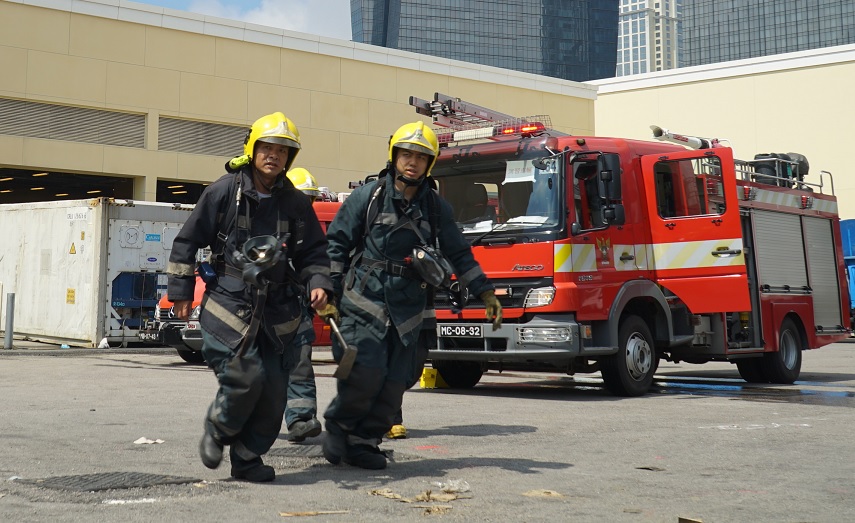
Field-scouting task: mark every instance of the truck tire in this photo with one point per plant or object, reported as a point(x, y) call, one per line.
point(629, 372)
point(459, 374)
point(784, 365)
point(191, 356)
point(751, 370)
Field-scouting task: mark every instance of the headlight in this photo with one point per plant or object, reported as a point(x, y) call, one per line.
point(544, 334)
point(194, 315)
point(539, 297)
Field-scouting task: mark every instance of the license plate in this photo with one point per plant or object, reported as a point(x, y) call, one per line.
point(460, 331)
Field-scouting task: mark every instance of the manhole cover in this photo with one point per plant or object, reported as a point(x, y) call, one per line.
point(297, 451)
point(310, 451)
point(108, 480)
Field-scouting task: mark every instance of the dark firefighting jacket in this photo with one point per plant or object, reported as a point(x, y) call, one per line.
point(228, 303)
point(377, 286)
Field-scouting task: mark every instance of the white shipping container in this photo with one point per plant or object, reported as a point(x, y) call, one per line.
point(85, 270)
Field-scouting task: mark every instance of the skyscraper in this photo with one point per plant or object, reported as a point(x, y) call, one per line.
point(722, 30)
point(648, 36)
point(569, 39)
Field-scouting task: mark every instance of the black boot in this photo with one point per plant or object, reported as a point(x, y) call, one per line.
point(210, 451)
point(366, 457)
point(254, 471)
point(335, 446)
point(302, 429)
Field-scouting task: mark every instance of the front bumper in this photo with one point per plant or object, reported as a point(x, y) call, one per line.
point(552, 337)
point(182, 335)
point(150, 335)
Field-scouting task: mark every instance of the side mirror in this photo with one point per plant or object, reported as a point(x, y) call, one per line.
point(614, 214)
point(608, 165)
point(575, 229)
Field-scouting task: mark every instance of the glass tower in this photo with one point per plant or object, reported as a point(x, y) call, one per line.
point(648, 36)
point(721, 30)
point(569, 39)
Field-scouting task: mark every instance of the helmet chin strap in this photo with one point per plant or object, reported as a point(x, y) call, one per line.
point(409, 182)
point(257, 178)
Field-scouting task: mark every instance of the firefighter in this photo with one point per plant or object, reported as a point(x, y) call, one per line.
point(386, 303)
point(266, 245)
point(302, 398)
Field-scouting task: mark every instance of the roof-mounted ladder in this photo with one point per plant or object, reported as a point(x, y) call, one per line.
point(466, 120)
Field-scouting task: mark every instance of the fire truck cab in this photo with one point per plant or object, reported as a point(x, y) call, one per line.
point(610, 254)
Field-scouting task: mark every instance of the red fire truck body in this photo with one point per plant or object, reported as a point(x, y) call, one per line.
point(609, 254)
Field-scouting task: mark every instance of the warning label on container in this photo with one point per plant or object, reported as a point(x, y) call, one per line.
point(72, 250)
point(69, 296)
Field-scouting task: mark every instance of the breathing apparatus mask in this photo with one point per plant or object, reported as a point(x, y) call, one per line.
point(432, 266)
point(258, 256)
point(458, 296)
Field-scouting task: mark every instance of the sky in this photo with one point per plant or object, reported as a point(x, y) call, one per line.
point(320, 17)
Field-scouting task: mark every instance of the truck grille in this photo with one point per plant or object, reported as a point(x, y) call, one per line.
point(516, 288)
point(166, 316)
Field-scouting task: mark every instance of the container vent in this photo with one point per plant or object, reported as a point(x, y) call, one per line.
point(72, 124)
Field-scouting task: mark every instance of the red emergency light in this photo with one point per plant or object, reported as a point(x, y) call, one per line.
point(524, 129)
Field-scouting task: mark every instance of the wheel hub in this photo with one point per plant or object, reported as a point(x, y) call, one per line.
point(639, 356)
point(789, 349)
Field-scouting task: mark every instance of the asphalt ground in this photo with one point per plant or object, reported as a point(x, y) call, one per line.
point(703, 446)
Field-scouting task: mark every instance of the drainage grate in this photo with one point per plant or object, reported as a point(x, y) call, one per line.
point(297, 451)
point(107, 481)
point(310, 451)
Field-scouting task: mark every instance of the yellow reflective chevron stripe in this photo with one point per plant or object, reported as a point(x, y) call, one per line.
point(663, 256)
point(561, 258)
point(785, 199)
point(575, 258)
point(687, 255)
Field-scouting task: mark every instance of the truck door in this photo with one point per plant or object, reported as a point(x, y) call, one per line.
point(696, 248)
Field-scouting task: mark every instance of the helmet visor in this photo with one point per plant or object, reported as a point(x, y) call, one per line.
point(279, 140)
point(417, 147)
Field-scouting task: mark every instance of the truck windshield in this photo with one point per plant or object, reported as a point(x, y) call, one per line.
point(508, 195)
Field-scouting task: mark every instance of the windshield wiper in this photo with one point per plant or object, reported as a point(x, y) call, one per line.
point(495, 228)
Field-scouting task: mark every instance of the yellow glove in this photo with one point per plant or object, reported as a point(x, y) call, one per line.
point(330, 312)
point(494, 308)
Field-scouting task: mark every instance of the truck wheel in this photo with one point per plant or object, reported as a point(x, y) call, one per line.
point(192, 356)
point(459, 374)
point(751, 370)
point(785, 365)
point(629, 372)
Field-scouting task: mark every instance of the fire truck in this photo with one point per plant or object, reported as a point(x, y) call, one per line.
point(612, 254)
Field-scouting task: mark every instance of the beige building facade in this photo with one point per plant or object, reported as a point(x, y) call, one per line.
point(130, 91)
point(154, 94)
point(796, 102)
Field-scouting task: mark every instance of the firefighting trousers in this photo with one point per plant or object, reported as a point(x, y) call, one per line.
point(421, 356)
point(302, 399)
point(368, 401)
point(247, 411)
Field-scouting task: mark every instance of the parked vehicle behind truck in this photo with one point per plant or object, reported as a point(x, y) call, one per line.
point(847, 233)
point(609, 254)
point(186, 336)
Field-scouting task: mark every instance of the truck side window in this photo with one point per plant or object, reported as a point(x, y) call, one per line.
point(586, 198)
point(689, 187)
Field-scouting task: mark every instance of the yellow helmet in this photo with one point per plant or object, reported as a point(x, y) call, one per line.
point(274, 128)
point(415, 137)
point(304, 181)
